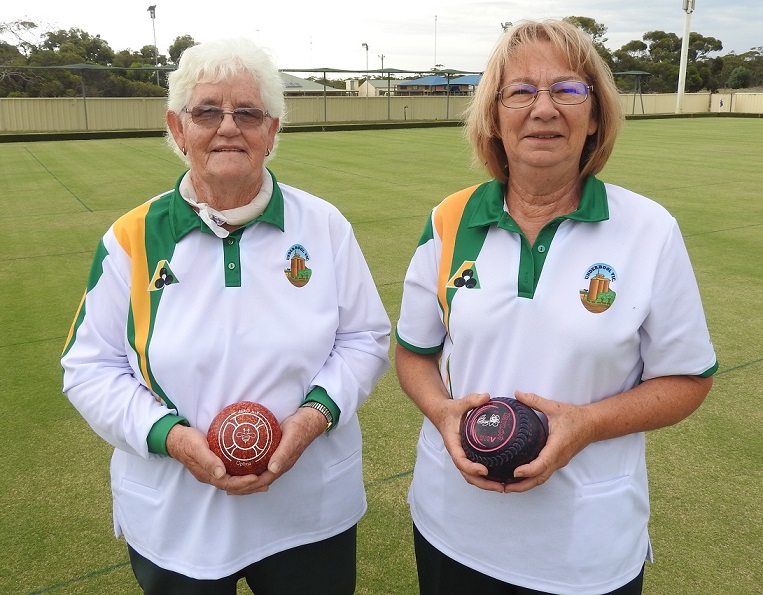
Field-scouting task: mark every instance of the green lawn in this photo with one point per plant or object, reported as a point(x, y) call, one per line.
point(59, 197)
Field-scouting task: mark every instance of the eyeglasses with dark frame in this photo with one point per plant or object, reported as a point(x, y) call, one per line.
point(209, 115)
point(519, 95)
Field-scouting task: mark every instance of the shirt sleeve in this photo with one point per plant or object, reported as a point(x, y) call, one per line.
point(360, 354)
point(420, 327)
point(98, 377)
point(674, 336)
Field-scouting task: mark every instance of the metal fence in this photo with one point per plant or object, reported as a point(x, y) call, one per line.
point(22, 115)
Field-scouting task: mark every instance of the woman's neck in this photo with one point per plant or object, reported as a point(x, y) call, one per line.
point(533, 204)
point(225, 194)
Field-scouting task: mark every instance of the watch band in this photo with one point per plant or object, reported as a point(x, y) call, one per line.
point(324, 410)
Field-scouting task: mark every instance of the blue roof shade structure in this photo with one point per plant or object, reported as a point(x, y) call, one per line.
point(471, 79)
point(434, 80)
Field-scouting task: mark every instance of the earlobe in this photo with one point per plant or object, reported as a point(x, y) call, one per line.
point(175, 125)
point(593, 126)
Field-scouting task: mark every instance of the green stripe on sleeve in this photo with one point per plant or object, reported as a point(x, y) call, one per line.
point(428, 232)
point(419, 350)
point(96, 271)
point(319, 395)
point(157, 436)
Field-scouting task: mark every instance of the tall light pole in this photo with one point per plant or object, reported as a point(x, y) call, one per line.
point(152, 9)
point(435, 41)
point(688, 9)
point(365, 45)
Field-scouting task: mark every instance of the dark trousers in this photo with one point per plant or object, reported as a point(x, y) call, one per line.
point(441, 575)
point(323, 568)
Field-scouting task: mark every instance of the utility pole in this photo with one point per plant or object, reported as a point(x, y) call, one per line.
point(688, 9)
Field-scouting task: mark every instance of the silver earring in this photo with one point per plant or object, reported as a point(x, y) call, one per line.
point(183, 150)
point(267, 153)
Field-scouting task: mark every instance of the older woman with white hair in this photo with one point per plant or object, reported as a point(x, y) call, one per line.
point(194, 303)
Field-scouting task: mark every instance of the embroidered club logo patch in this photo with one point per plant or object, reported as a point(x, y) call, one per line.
point(162, 276)
point(466, 276)
point(298, 274)
point(599, 295)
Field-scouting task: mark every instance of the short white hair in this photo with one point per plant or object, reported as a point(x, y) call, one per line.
point(215, 61)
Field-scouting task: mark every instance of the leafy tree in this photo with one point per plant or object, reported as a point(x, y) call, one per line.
point(24, 34)
point(752, 61)
point(78, 43)
point(660, 55)
point(178, 46)
point(597, 31)
point(12, 80)
point(700, 47)
point(663, 47)
point(740, 78)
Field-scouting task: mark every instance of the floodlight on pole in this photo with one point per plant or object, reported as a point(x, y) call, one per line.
point(688, 7)
point(152, 10)
point(365, 45)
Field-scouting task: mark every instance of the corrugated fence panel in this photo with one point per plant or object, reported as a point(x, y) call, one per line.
point(148, 113)
point(127, 113)
point(665, 103)
point(747, 103)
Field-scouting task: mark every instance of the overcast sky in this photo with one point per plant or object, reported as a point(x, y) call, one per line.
point(410, 34)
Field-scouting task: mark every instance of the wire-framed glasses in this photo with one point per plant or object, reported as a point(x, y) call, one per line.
point(519, 95)
point(209, 115)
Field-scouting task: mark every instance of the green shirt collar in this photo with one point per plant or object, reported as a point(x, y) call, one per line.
point(593, 205)
point(184, 219)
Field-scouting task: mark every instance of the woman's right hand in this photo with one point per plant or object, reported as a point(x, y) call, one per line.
point(190, 447)
point(448, 418)
point(419, 376)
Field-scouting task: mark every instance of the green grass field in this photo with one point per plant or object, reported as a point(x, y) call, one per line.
point(59, 197)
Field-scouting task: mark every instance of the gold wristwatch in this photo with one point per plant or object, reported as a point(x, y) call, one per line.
point(324, 410)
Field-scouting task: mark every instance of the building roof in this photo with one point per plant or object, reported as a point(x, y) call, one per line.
point(472, 79)
point(381, 83)
point(294, 84)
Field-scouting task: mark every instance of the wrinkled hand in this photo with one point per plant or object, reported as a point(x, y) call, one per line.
point(448, 420)
point(570, 430)
point(189, 446)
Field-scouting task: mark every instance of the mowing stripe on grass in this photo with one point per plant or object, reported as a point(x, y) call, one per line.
point(52, 175)
point(739, 367)
point(79, 578)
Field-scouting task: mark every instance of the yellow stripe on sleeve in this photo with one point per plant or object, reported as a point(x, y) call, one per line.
point(130, 232)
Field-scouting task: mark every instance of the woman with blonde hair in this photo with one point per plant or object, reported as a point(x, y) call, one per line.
point(573, 296)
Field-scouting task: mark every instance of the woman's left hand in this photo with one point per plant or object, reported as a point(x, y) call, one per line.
point(297, 432)
point(653, 404)
point(570, 430)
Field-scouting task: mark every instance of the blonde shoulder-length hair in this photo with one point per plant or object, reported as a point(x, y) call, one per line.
point(577, 48)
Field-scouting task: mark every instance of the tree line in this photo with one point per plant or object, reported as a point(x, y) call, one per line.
point(30, 63)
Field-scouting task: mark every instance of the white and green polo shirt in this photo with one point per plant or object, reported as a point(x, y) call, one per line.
point(177, 323)
point(605, 298)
